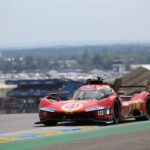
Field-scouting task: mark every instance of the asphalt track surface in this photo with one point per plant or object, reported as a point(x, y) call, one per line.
point(18, 132)
point(17, 122)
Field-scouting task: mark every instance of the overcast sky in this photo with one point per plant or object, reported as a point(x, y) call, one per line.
point(62, 22)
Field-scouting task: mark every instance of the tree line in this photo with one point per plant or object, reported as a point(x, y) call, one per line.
point(86, 58)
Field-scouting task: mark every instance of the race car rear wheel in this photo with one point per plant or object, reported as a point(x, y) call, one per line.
point(147, 107)
point(147, 110)
point(116, 112)
point(50, 123)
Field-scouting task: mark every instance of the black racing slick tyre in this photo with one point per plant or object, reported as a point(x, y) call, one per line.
point(116, 112)
point(147, 109)
point(50, 123)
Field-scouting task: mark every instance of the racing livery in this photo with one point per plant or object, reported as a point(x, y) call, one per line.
point(97, 101)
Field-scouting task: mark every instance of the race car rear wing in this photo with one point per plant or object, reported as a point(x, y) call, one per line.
point(118, 84)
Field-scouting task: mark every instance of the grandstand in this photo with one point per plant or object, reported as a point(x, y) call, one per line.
point(26, 96)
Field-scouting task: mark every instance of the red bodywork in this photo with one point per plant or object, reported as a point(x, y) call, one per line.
point(111, 108)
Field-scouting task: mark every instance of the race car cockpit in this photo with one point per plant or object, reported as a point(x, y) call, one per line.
point(92, 94)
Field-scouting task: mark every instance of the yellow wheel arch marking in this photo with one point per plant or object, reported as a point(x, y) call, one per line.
point(137, 105)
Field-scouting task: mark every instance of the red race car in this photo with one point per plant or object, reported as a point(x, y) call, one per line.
point(97, 101)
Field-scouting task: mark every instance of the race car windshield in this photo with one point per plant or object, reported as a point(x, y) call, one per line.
point(89, 94)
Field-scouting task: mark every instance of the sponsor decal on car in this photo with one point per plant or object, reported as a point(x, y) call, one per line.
point(71, 106)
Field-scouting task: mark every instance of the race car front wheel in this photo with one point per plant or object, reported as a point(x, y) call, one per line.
point(116, 112)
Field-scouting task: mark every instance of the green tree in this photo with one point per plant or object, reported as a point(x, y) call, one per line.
point(97, 61)
point(84, 60)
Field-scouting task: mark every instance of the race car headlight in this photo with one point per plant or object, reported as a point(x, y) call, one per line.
point(107, 111)
point(47, 109)
point(94, 109)
point(103, 112)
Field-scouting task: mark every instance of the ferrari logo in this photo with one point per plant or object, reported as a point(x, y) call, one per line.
point(71, 106)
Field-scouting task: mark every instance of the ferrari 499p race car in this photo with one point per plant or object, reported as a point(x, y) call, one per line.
point(97, 101)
